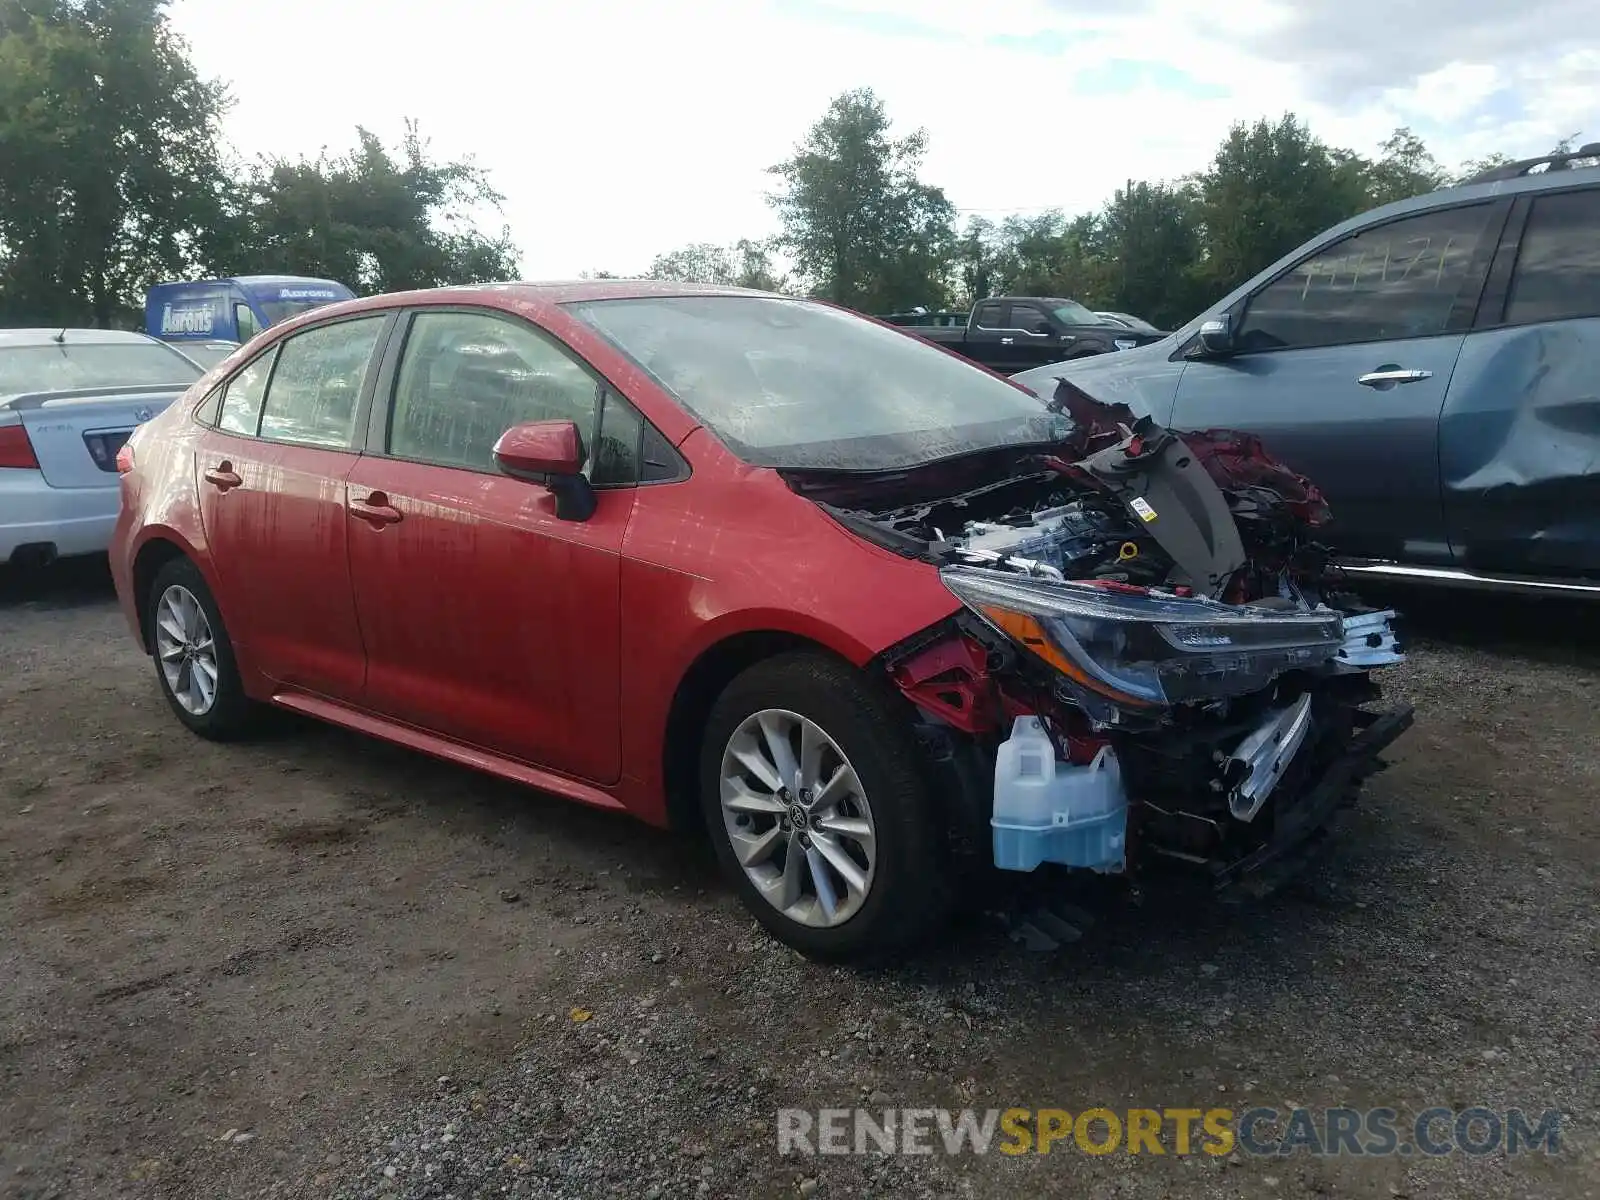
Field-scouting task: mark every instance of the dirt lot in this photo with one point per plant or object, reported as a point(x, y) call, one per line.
point(313, 965)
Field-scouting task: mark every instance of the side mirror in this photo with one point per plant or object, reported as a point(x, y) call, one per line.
point(549, 453)
point(1216, 338)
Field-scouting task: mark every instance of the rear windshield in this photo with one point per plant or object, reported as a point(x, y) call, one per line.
point(790, 383)
point(69, 367)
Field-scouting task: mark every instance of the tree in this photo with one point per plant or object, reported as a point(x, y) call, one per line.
point(746, 263)
point(1406, 169)
point(701, 262)
point(977, 261)
point(368, 219)
point(753, 266)
point(862, 228)
point(1148, 241)
point(109, 172)
point(1271, 186)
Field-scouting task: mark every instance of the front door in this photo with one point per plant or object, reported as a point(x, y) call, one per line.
point(486, 617)
point(271, 484)
point(1342, 366)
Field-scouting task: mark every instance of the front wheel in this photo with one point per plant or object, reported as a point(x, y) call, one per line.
point(819, 811)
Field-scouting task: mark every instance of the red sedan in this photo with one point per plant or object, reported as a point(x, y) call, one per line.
point(757, 564)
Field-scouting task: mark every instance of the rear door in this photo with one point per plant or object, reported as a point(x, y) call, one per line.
point(1519, 444)
point(1341, 366)
point(271, 483)
point(985, 335)
point(486, 618)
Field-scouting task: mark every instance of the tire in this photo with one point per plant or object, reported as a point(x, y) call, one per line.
point(906, 897)
point(229, 712)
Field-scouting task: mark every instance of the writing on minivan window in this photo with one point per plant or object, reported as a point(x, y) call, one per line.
point(1414, 260)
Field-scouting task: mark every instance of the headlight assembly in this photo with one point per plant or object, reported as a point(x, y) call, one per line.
point(1144, 651)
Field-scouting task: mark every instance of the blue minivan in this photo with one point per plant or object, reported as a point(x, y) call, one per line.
point(1433, 366)
point(192, 314)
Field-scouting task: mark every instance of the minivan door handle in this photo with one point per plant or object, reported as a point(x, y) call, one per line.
point(1387, 377)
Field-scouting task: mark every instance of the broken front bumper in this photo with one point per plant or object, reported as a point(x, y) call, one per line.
point(1301, 825)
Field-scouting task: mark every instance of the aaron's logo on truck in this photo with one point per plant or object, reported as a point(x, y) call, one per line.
point(187, 320)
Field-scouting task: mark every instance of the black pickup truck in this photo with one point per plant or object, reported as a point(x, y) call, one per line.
point(1013, 333)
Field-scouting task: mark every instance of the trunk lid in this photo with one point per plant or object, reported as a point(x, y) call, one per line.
point(76, 434)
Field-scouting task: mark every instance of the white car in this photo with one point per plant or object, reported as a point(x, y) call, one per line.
point(69, 398)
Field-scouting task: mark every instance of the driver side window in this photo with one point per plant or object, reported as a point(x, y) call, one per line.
point(465, 378)
point(1399, 280)
point(1028, 319)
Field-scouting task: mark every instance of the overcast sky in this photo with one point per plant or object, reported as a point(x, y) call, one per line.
point(618, 129)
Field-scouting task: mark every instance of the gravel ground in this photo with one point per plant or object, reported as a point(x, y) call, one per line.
point(314, 965)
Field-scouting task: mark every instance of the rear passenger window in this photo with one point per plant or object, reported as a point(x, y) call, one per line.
point(316, 388)
point(466, 378)
point(1399, 280)
point(988, 316)
point(1558, 265)
point(241, 398)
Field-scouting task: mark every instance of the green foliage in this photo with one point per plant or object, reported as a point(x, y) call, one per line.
point(367, 219)
point(111, 179)
point(862, 228)
point(1166, 250)
point(746, 263)
point(109, 172)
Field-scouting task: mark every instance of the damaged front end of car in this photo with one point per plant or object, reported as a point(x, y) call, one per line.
point(1149, 663)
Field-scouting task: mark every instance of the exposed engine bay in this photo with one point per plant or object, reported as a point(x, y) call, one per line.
point(1152, 660)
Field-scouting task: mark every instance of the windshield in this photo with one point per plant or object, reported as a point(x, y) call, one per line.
point(68, 367)
point(282, 310)
point(790, 383)
point(207, 354)
point(1070, 312)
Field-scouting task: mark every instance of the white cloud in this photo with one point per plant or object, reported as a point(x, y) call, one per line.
point(618, 129)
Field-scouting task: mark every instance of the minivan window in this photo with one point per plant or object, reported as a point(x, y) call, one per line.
point(313, 396)
point(1557, 276)
point(1397, 280)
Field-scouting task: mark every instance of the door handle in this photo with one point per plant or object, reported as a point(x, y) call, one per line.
point(1391, 376)
point(1008, 341)
point(375, 507)
point(223, 477)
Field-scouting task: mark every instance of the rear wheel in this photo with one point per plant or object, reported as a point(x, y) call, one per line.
point(193, 656)
point(819, 812)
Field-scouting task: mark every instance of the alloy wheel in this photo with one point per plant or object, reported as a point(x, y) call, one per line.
point(187, 650)
point(798, 818)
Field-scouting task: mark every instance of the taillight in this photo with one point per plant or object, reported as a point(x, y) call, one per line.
point(15, 448)
point(125, 459)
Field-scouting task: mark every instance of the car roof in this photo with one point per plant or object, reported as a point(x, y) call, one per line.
point(512, 294)
point(1464, 193)
point(56, 335)
point(572, 291)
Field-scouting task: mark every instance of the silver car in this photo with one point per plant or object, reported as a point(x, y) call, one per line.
point(69, 398)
